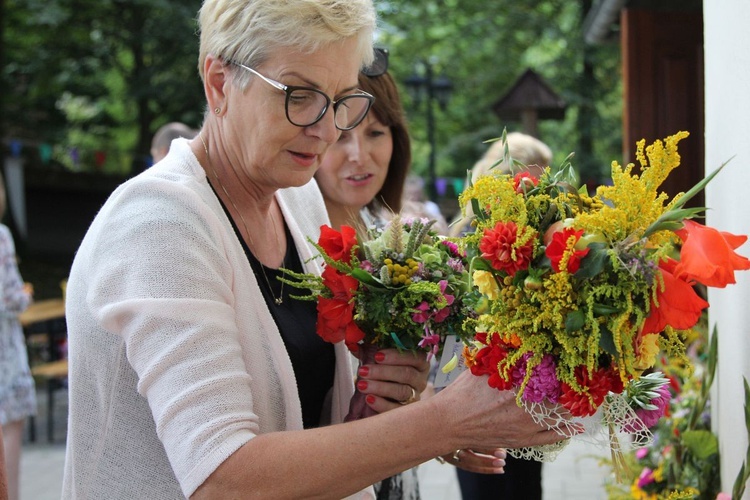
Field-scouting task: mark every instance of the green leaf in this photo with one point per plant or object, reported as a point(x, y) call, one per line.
point(739, 484)
point(574, 321)
point(702, 444)
point(677, 215)
point(594, 262)
point(604, 310)
point(607, 341)
point(478, 212)
point(365, 277)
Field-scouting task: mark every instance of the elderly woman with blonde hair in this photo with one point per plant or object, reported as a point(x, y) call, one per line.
point(193, 372)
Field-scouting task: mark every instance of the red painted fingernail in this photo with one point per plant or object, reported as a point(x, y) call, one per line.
point(362, 385)
point(379, 357)
point(363, 371)
point(370, 399)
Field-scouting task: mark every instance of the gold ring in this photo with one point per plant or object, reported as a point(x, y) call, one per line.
point(440, 459)
point(455, 455)
point(414, 397)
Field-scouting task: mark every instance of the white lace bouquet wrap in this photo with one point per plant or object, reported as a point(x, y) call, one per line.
point(615, 426)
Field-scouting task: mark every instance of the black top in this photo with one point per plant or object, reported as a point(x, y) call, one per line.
point(313, 359)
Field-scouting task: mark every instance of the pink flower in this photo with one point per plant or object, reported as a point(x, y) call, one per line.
point(424, 313)
point(443, 313)
point(431, 340)
point(651, 417)
point(452, 247)
point(646, 477)
point(543, 383)
point(641, 453)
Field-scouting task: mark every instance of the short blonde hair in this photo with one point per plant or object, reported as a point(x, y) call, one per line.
point(522, 147)
point(247, 31)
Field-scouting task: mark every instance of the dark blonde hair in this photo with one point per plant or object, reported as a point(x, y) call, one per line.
point(389, 111)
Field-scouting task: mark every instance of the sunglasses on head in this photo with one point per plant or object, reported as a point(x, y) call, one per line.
point(380, 65)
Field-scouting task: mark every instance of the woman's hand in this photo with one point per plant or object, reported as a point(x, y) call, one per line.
point(481, 461)
point(396, 378)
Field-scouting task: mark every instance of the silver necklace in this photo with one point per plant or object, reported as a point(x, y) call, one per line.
point(277, 300)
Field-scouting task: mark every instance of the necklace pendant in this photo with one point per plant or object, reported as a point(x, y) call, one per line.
point(279, 301)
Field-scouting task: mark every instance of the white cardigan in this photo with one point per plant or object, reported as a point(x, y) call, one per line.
point(175, 359)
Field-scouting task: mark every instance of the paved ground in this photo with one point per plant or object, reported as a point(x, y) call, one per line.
point(575, 475)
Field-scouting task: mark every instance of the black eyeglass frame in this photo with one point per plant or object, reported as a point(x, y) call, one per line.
point(288, 89)
point(379, 65)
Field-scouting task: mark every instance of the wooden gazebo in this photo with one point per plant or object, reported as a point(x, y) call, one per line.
point(529, 100)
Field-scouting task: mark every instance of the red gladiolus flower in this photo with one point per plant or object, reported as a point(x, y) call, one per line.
point(524, 181)
point(497, 246)
point(338, 245)
point(708, 256)
point(335, 314)
point(563, 243)
point(679, 306)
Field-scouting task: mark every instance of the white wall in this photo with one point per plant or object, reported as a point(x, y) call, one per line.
point(727, 77)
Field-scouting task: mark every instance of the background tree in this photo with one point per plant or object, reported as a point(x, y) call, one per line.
point(483, 47)
point(100, 75)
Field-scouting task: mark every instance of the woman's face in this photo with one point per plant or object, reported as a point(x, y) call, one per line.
point(270, 150)
point(355, 167)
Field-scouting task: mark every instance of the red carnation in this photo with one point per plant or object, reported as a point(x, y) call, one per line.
point(498, 247)
point(338, 245)
point(596, 387)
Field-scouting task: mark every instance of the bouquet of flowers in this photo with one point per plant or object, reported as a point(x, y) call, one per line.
point(398, 286)
point(583, 291)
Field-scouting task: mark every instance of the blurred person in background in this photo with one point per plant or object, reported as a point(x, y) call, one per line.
point(165, 135)
point(17, 390)
point(528, 150)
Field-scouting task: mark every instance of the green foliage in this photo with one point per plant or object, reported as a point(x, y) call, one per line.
point(133, 64)
point(483, 47)
point(99, 76)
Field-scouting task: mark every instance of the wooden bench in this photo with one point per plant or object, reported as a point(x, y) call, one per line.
point(55, 376)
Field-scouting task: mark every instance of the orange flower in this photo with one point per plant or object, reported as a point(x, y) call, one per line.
point(679, 306)
point(708, 255)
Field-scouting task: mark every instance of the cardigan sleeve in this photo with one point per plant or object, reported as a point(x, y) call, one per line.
point(160, 279)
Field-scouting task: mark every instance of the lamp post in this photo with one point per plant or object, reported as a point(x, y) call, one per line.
point(436, 89)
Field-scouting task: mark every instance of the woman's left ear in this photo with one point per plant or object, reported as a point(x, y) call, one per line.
point(215, 81)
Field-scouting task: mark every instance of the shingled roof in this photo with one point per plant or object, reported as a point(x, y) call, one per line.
point(530, 92)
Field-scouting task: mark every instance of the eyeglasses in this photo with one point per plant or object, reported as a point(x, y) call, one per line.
point(379, 65)
point(306, 106)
